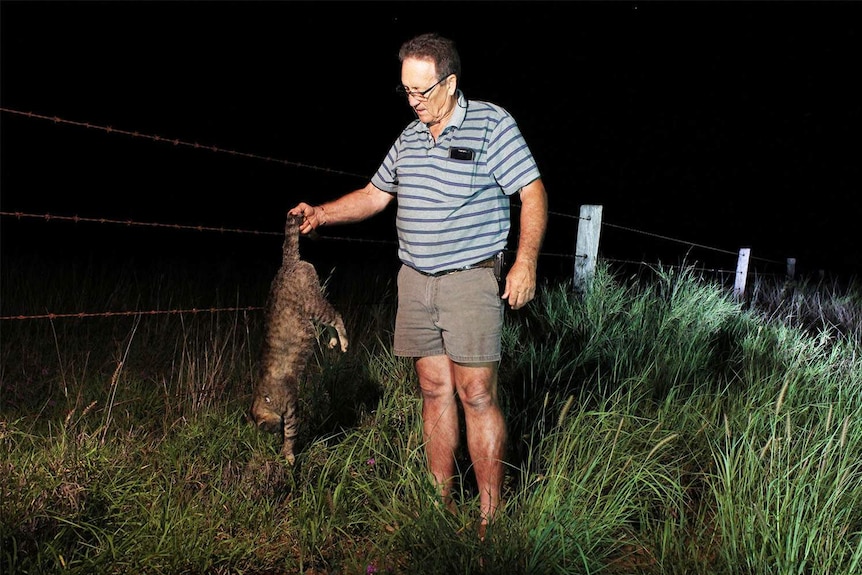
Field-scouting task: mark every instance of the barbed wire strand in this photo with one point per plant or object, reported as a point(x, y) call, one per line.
point(130, 313)
point(316, 235)
point(176, 142)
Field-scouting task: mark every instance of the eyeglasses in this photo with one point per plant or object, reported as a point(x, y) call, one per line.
point(419, 96)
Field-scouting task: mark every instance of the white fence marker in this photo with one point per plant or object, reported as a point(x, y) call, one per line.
point(741, 273)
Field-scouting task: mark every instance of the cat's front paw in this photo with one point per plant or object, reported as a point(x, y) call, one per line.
point(334, 341)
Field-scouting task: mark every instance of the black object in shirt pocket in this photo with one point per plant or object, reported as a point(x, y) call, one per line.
point(463, 154)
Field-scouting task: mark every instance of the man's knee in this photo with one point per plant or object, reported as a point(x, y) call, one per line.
point(435, 389)
point(435, 377)
point(478, 395)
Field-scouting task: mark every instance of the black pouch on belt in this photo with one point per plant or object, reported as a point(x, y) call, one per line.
point(498, 266)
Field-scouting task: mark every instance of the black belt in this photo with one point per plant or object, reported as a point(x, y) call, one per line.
point(488, 263)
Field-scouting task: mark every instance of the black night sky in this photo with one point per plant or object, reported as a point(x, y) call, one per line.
point(724, 124)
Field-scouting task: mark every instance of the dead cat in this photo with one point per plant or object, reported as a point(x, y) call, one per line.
point(294, 304)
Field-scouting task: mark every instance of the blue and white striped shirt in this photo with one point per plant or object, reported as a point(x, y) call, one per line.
point(453, 195)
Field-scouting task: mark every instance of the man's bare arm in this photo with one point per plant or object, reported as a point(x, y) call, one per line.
point(521, 279)
point(352, 207)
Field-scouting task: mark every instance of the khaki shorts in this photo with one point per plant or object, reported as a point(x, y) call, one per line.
point(459, 314)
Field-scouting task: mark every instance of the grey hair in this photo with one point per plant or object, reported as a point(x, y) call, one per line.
point(434, 47)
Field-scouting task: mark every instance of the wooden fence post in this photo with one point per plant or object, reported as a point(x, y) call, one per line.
point(587, 247)
point(741, 273)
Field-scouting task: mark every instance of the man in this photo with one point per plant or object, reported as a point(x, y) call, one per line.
point(453, 170)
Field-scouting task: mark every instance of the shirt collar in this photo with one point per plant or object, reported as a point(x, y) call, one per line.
point(457, 116)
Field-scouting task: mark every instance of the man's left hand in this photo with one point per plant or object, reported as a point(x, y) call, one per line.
point(520, 285)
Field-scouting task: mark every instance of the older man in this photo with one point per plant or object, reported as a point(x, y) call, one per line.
point(453, 170)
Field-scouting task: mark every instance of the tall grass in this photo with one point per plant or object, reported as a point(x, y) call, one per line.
point(656, 426)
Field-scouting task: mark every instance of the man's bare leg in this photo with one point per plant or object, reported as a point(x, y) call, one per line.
point(486, 432)
point(439, 421)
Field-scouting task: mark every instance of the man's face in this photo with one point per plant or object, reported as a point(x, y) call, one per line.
point(431, 106)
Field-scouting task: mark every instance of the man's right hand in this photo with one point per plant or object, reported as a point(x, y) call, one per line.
point(312, 217)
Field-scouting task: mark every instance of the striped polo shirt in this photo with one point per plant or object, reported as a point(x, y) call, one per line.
point(453, 194)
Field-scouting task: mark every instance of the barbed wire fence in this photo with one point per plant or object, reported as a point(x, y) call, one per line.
point(49, 218)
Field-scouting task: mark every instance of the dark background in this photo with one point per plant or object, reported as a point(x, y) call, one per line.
point(721, 124)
